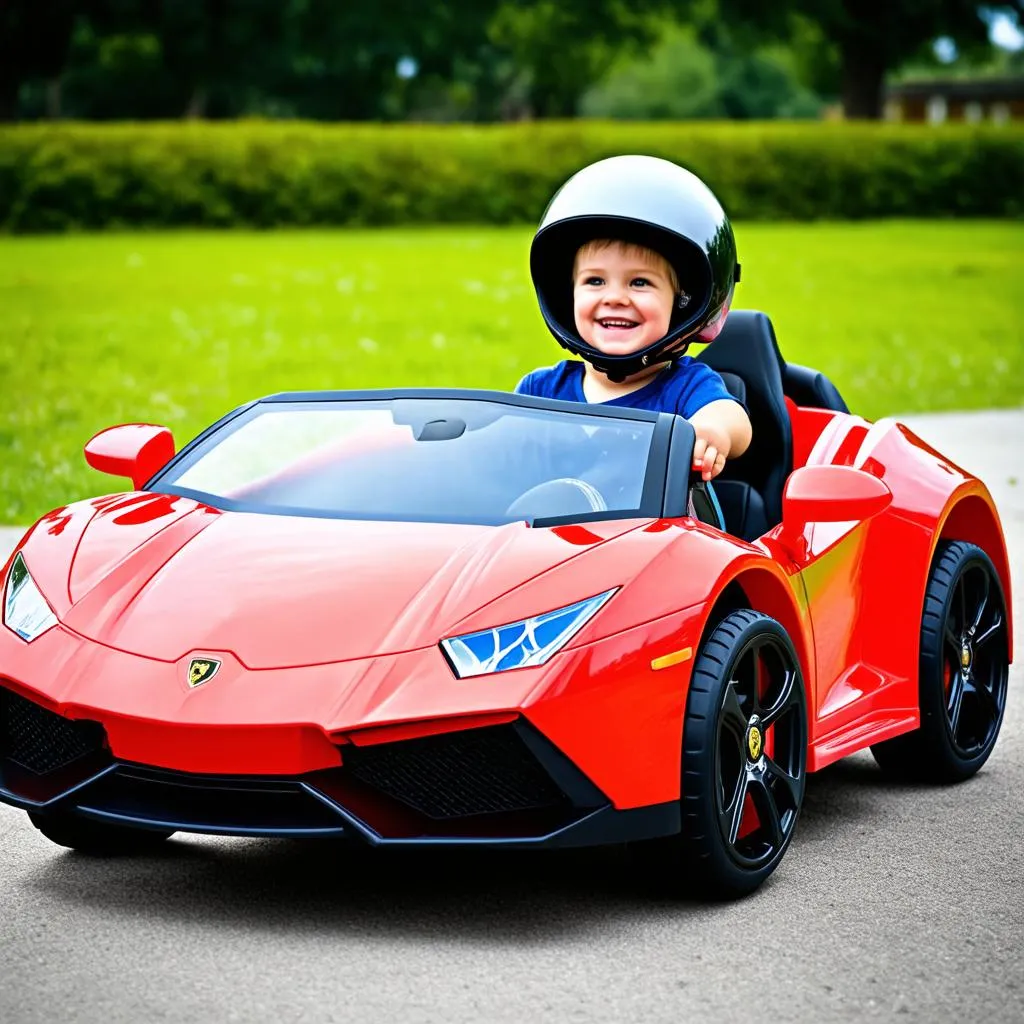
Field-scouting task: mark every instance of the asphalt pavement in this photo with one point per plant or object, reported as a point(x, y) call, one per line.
point(895, 902)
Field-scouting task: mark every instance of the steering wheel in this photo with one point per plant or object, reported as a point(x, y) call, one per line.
point(565, 496)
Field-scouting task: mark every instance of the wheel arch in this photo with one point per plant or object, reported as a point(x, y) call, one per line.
point(763, 591)
point(972, 518)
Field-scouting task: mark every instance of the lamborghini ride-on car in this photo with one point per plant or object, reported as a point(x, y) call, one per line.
point(466, 617)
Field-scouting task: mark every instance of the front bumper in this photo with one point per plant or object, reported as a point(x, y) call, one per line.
point(501, 784)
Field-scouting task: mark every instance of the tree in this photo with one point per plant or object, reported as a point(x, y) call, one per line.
point(142, 58)
point(873, 37)
point(34, 43)
point(701, 70)
point(344, 59)
point(226, 58)
point(678, 80)
point(562, 46)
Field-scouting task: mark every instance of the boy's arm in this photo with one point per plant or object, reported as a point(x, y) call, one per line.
point(723, 432)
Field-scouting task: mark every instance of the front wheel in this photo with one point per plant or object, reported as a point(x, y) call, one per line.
point(964, 666)
point(94, 837)
point(744, 762)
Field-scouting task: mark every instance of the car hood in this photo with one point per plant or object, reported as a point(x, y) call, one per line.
point(164, 580)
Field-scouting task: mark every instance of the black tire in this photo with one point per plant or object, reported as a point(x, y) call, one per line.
point(739, 804)
point(963, 671)
point(95, 837)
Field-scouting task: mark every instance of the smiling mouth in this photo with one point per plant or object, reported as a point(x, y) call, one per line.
point(618, 325)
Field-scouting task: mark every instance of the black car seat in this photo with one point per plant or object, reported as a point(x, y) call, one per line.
point(734, 385)
point(749, 489)
point(810, 388)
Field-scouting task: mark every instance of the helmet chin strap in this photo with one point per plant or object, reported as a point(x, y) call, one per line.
point(626, 366)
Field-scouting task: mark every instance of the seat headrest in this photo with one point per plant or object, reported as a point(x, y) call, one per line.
point(747, 348)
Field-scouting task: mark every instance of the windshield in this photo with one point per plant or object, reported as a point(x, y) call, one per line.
point(419, 459)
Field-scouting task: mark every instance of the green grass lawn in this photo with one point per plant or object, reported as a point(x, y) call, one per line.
point(179, 328)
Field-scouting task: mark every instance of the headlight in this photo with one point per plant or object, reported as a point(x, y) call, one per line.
point(25, 608)
point(519, 644)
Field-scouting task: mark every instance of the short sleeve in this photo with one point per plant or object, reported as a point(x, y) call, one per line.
point(703, 387)
point(525, 386)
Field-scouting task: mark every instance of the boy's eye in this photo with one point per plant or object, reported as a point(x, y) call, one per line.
point(639, 282)
point(594, 281)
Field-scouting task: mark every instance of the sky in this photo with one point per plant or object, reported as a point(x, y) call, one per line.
point(1003, 32)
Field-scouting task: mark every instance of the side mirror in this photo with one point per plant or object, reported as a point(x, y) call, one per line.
point(134, 450)
point(828, 494)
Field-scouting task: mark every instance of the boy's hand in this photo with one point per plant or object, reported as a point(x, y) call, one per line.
point(710, 450)
point(723, 429)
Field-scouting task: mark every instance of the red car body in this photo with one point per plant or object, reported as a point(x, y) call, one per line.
point(145, 584)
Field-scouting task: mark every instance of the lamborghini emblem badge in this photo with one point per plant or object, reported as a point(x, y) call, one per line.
point(202, 670)
point(754, 742)
point(965, 657)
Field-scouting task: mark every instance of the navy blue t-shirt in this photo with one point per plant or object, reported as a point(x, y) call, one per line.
point(682, 388)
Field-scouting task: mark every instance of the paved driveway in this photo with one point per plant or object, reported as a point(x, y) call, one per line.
point(894, 903)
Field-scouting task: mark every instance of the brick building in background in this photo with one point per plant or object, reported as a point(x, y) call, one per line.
point(939, 100)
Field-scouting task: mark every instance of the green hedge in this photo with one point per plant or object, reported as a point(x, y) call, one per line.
point(68, 176)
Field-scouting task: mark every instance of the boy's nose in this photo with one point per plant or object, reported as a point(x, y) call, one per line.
point(616, 294)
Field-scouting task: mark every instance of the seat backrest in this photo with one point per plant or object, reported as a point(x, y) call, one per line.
point(735, 386)
point(747, 348)
point(811, 388)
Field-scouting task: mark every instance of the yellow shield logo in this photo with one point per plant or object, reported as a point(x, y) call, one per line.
point(754, 744)
point(202, 670)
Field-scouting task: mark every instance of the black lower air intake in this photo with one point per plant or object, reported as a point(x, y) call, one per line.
point(40, 740)
point(458, 774)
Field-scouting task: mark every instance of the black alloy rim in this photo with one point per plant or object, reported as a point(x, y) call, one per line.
point(762, 751)
point(975, 661)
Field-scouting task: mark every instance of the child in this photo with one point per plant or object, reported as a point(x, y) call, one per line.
point(635, 258)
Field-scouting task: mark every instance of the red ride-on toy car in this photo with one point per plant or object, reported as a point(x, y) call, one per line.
point(460, 617)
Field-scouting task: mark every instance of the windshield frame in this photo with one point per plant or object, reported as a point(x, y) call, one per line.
point(659, 493)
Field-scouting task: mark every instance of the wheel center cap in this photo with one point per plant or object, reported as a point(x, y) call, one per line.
point(965, 657)
point(755, 742)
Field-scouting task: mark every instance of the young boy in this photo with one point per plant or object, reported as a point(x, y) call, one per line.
point(634, 258)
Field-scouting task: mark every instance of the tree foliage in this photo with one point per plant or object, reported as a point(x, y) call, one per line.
point(458, 60)
point(34, 42)
point(870, 37)
point(683, 78)
point(225, 58)
point(562, 46)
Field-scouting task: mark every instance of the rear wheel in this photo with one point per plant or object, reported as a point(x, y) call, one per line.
point(744, 762)
point(94, 837)
point(963, 671)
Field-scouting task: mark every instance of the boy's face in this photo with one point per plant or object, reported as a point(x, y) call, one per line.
point(622, 296)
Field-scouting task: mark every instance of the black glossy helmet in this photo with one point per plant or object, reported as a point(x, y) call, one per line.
point(654, 203)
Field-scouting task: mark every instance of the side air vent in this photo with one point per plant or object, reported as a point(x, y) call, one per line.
point(456, 775)
point(41, 741)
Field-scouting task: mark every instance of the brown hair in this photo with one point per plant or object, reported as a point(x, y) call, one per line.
point(628, 249)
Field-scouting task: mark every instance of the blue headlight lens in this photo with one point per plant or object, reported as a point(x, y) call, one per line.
point(520, 644)
point(25, 608)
